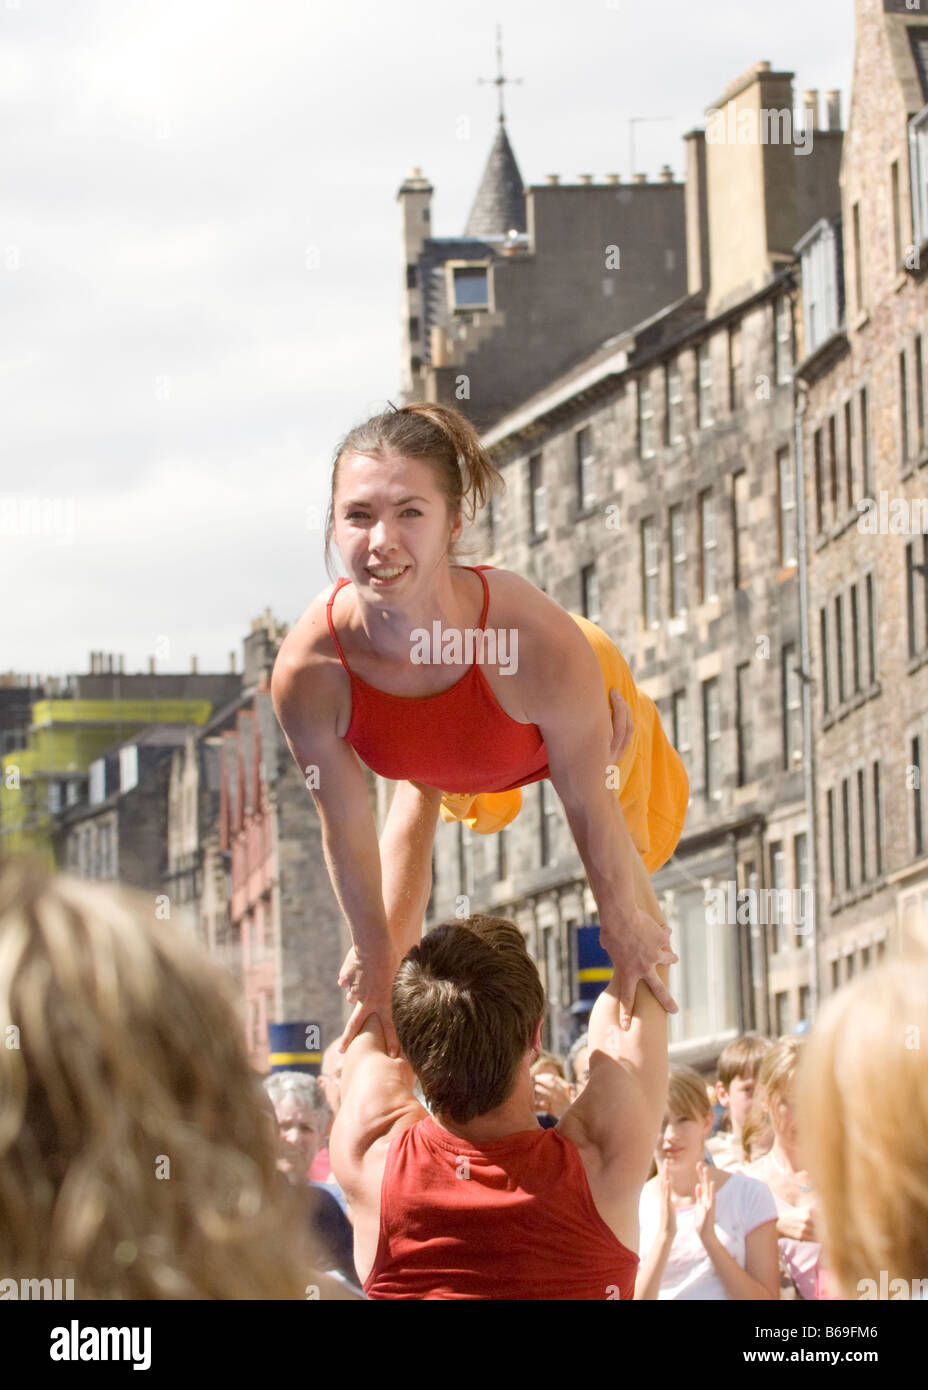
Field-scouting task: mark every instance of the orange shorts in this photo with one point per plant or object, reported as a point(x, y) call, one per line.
point(653, 788)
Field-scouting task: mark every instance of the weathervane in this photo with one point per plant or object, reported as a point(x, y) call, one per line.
point(499, 80)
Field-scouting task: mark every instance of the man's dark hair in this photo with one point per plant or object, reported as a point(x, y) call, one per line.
point(466, 1002)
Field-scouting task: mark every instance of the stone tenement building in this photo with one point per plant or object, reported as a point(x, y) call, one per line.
point(864, 436)
point(533, 284)
point(651, 487)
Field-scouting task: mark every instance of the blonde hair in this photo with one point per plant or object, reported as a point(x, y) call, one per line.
point(435, 434)
point(135, 1155)
point(687, 1094)
point(863, 1107)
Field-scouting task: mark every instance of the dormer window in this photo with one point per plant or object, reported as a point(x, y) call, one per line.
point(918, 163)
point(822, 283)
point(470, 287)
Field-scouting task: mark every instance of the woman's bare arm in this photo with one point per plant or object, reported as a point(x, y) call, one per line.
point(305, 703)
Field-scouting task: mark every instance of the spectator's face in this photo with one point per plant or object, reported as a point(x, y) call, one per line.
point(681, 1138)
point(300, 1137)
point(739, 1101)
point(582, 1068)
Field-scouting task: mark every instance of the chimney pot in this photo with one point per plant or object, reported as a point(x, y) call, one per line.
point(833, 106)
point(666, 174)
point(193, 666)
point(151, 665)
point(585, 178)
point(639, 178)
point(552, 179)
point(613, 178)
point(232, 663)
point(810, 109)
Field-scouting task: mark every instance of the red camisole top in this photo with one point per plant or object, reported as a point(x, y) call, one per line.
point(512, 1219)
point(458, 741)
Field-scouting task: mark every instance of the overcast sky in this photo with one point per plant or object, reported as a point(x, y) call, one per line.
point(202, 264)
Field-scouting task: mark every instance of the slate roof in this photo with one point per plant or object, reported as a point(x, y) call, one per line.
point(500, 202)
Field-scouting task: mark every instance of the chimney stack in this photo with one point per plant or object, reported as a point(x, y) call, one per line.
point(231, 663)
point(151, 665)
point(666, 174)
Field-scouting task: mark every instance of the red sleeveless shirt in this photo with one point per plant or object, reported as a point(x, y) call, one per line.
point(458, 741)
point(512, 1219)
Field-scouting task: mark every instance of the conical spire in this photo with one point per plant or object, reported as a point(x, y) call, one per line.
point(500, 202)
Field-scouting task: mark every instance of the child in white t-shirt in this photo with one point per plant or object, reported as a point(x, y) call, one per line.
point(705, 1233)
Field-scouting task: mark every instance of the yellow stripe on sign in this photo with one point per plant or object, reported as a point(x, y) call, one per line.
point(277, 1059)
point(594, 972)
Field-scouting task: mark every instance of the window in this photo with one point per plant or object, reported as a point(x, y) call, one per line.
point(411, 279)
point(861, 826)
point(682, 739)
point(778, 884)
point(673, 386)
point(864, 444)
point(871, 631)
point(918, 167)
point(819, 484)
point(835, 975)
point(585, 482)
point(783, 355)
point(849, 453)
point(743, 721)
point(704, 385)
point(735, 369)
point(846, 832)
point(839, 644)
point(820, 253)
point(903, 410)
point(858, 260)
point(502, 855)
point(413, 328)
point(833, 464)
point(548, 821)
point(708, 547)
point(646, 433)
point(792, 708)
point(826, 682)
point(471, 287)
point(918, 838)
point(855, 639)
point(781, 1013)
point(589, 585)
point(786, 482)
point(739, 517)
point(832, 867)
point(865, 958)
point(877, 820)
point(712, 738)
point(919, 395)
point(897, 215)
point(650, 593)
point(677, 561)
point(801, 860)
point(805, 1004)
point(538, 515)
point(916, 594)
